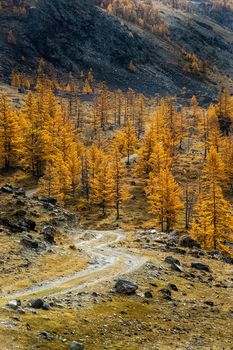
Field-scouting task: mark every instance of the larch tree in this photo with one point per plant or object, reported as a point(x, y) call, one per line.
point(126, 140)
point(11, 140)
point(143, 165)
point(213, 223)
point(225, 112)
point(120, 188)
point(164, 198)
point(101, 186)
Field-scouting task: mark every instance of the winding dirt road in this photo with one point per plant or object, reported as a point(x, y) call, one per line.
point(108, 263)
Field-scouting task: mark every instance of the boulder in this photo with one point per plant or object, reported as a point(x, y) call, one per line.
point(74, 345)
point(20, 192)
point(18, 224)
point(20, 213)
point(126, 286)
point(188, 242)
point(29, 242)
point(7, 189)
point(49, 206)
point(48, 233)
point(227, 259)
point(175, 264)
point(36, 303)
point(13, 304)
point(201, 267)
point(48, 200)
point(29, 224)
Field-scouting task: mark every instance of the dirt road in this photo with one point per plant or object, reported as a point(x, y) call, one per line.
point(107, 262)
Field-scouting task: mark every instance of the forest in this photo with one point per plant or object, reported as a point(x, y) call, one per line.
point(180, 152)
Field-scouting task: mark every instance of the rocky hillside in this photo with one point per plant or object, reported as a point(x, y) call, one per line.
point(74, 35)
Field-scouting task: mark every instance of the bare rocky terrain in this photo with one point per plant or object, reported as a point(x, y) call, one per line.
point(172, 295)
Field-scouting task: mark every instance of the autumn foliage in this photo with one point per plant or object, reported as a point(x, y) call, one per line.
point(91, 159)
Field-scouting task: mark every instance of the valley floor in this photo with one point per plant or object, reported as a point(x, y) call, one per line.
point(183, 310)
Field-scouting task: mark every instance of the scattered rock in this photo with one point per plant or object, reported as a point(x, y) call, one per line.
point(29, 242)
point(49, 206)
point(46, 306)
point(166, 293)
point(7, 189)
point(173, 287)
point(188, 242)
point(148, 294)
point(20, 213)
point(153, 284)
point(126, 286)
point(17, 224)
point(20, 192)
point(37, 303)
point(48, 233)
point(227, 259)
point(208, 302)
point(175, 264)
point(200, 266)
point(21, 310)
point(74, 345)
point(13, 304)
point(46, 335)
point(50, 200)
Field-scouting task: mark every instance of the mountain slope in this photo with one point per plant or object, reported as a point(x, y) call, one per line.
point(74, 35)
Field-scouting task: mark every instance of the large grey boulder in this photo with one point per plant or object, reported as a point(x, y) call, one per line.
point(126, 286)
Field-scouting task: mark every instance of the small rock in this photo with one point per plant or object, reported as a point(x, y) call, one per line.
point(200, 266)
point(173, 287)
point(175, 264)
point(46, 335)
point(46, 306)
point(21, 310)
point(13, 304)
point(126, 286)
point(49, 206)
point(166, 294)
point(20, 192)
point(20, 213)
point(208, 302)
point(148, 294)
point(74, 345)
point(29, 242)
point(7, 189)
point(153, 284)
point(48, 233)
point(50, 200)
